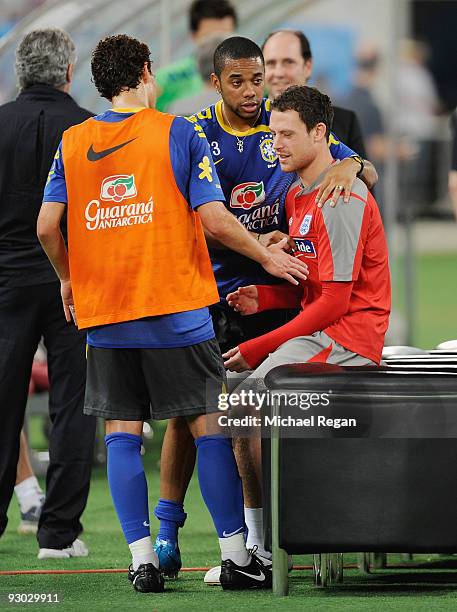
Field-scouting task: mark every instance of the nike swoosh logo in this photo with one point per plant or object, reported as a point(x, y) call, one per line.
point(94, 156)
point(218, 161)
point(145, 523)
point(259, 577)
point(227, 535)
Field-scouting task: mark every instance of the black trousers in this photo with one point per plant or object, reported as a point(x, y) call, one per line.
point(27, 314)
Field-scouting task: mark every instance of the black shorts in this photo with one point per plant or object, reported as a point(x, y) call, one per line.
point(140, 384)
point(231, 328)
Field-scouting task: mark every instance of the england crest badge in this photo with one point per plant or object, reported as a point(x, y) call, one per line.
point(305, 225)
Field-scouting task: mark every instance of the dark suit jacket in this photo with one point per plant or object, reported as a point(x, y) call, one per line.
point(346, 128)
point(31, 128)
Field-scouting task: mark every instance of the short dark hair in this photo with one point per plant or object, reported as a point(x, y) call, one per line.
point(210, 9)
point(313, 106)
point(305, 47)
point(117, 64)
point(235, 48)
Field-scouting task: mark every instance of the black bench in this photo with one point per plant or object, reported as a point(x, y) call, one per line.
point(389, 483)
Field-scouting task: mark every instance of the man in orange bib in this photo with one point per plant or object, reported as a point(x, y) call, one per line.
point(139, 187)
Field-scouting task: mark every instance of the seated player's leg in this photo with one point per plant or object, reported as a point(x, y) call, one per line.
point(116, 391)
point(221, 489)
point(248, 454)
point(231, 329)
point(318, 348)
point(251, 481)
point(177, 464)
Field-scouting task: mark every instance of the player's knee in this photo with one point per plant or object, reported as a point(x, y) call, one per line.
point(131, 427)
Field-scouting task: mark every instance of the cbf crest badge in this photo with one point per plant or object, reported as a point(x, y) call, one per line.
point(267, 150)
point(305, 225)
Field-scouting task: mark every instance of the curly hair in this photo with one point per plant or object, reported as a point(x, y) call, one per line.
point(117, 64)
point(313, 106)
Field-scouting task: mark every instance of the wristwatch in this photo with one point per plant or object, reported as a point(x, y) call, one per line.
point(360, 160)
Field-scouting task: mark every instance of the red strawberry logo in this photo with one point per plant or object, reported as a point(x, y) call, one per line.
point(247, 194)
point(117, 188)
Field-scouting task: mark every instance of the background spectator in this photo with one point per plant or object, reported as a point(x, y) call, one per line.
point(362, 100)
point(208, 95)
point(289, 61)
point(416, 124)
point(182, 79)
point(30, 303)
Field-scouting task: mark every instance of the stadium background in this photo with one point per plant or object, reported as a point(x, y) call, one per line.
point(418, 216)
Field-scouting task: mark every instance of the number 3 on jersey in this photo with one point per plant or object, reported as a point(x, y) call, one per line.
point(215, 150)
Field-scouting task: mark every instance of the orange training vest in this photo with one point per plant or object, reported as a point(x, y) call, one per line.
point(136, 248)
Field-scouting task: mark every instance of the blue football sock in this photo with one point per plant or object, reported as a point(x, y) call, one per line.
point(172, 516)
point(220, 484)
point(127, 482)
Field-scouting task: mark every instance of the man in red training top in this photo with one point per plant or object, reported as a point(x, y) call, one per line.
point(345, 302)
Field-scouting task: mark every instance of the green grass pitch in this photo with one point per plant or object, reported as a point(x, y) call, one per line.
point(435, 298)
point(432, 587)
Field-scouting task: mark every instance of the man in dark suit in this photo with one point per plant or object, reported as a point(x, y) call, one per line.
point(30, 304)
point(288, 61)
